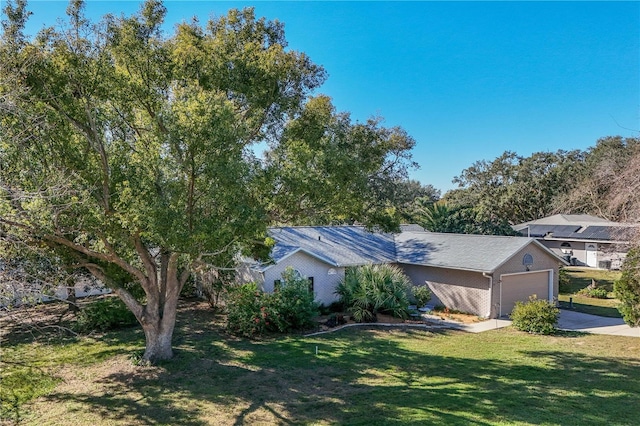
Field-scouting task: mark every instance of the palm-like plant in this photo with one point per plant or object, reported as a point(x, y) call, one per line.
point(370, 289)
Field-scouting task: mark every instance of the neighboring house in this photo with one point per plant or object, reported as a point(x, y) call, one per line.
point(582, 240)
point(479, 274)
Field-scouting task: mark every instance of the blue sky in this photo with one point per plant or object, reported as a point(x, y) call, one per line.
point(468, 80)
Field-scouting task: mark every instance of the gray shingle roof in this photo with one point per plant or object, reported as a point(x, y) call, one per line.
point(569, 219)
point(354, 245)
point(575, 227)
point(483, 253)
point(335, 245)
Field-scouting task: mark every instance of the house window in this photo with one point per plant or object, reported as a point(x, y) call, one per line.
point(311, 289)
point(277, 285)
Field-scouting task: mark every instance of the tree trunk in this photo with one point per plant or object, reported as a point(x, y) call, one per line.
point(158, 342)
point(158, 317)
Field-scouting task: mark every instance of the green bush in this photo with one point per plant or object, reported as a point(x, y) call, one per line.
point(421, 294)
point(333, 308)
point(592, 290)
point(372, 289)
point(251, 312)
point(292, 307)
point(246, 310)
point(535, 316)
point(627, 288)
point(564, 281)
point(596, 293)
point(108, 313)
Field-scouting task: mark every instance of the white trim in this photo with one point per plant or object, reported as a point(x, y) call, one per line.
point(490, 276)
point(578, 240)
point(300, 249)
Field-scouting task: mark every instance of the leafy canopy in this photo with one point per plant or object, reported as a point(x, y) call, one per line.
point(129, 153)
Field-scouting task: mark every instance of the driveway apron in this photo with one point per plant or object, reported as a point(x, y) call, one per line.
point(577, 321)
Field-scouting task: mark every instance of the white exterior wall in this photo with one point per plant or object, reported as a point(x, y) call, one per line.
point(17, 294)
point(606, 252)
point(324, 284)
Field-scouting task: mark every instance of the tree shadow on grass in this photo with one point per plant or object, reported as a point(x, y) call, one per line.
point(366, 377)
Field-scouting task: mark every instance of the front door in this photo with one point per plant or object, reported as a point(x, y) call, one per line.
point(591, 250)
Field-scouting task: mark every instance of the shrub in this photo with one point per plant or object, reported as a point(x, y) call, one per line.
point(104, 314)
point(251, 312)
point(564, 281)
point(421, 294)
point(372, 289)
point(245, 308)
point(333, 308)
point(592, 290)
point(627, 288)
point(596, 293)
point(292, 307)
point(535, 316)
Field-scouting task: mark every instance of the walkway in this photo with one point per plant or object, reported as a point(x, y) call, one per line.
point(568, 320)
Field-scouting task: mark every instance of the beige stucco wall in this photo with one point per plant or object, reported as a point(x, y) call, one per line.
point(324, 283)
point(473, 292)
point(456, 289)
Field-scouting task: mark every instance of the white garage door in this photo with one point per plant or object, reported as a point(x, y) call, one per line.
point(519, 287)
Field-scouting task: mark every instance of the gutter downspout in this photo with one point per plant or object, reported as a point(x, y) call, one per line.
point(484, 274)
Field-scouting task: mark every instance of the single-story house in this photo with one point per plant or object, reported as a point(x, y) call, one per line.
point(582, 240)
point(480, 274)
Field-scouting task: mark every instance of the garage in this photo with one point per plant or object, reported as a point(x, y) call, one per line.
point(520, 286)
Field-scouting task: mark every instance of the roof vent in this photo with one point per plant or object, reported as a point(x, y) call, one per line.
point(319, 238)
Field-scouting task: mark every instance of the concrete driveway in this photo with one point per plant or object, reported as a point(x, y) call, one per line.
point(576, 321)
point(568, 320)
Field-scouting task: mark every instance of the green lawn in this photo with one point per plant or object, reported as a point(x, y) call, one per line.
point(581, 278)
point(357, 376)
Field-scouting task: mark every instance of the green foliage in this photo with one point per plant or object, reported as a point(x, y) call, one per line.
point(292, 306)
point(443, 217)
point(515, 189)
point(595, 291)
point(334, 307)
point(246, 310)
point(108, 313)
point(564, 281)
point(331, 170)
point(371, 289)
point(139, 147)
point(535, 316)
point(411, 196)
point(251, 312)
point(421, 294)
point(627, 288)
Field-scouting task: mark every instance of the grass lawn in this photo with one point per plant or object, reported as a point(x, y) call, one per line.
point(581, 278)
point(354, 376)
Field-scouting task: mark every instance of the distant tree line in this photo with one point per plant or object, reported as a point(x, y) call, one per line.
point(493, 195)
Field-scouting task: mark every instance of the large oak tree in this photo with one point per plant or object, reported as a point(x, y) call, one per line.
point(129, 154)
